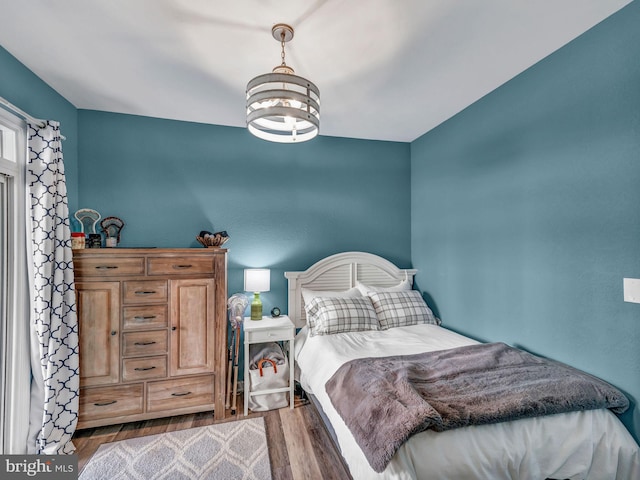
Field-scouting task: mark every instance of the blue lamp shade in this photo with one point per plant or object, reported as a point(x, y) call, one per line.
point(257, 280)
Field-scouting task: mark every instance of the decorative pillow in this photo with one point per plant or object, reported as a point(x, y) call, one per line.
point(326, 316)
point(401, 309)
point(308, 295)
point(404, 285)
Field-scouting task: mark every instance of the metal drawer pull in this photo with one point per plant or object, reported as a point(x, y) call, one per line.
point(141, 369)
point(144, 292)
point(144, 318)
point(180, 394)
point(106, 267)
point(178, 267)
point(105, 403)
point(144, 343)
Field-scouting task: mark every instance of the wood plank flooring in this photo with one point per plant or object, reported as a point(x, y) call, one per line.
point(299, 445)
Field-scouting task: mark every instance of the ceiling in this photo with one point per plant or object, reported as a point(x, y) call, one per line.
point(386, 69)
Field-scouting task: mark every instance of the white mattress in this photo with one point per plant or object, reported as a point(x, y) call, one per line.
point(580, 445)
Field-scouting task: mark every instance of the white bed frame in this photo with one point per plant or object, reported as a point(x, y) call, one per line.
point(342, 271)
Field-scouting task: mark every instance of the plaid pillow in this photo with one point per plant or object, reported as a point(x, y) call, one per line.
point(401, 309)
point(326, 316)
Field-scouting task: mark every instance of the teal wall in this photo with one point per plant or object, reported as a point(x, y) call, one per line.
point(25, 90)
point(284, 206)
point(526, 208)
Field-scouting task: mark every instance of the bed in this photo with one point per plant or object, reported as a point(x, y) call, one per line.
point(588, 444)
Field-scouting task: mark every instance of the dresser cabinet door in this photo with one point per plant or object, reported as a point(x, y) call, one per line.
point(98, 325)
point(192, 326)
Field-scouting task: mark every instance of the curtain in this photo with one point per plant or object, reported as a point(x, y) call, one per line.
point(54, 326)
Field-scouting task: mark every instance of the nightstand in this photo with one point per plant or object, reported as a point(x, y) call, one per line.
point(268, 329)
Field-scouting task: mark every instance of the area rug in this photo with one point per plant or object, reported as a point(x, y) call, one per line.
point(233, 450)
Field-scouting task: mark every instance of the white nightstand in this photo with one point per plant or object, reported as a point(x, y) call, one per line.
point(268, 329)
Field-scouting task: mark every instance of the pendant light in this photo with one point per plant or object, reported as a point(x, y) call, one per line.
point(283, 107)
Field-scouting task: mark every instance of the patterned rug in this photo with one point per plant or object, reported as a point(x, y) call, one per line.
point(233, 450)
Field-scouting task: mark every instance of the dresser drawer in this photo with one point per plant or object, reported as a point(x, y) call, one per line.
point(103, 402)
point(188, 265)
point(179, 393)
point(144, 343)
point(269, 335)
point(144, 368)
point(144, 317)
point(108, 267)
point(144, 291)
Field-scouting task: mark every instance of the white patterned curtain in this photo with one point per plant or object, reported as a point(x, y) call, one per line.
point(54, 325)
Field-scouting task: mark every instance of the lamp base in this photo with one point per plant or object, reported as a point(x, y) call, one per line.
point(256, 307)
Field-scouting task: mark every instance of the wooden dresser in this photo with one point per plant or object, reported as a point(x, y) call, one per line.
point(153, 332)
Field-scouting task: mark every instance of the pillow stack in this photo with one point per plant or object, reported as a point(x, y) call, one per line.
point(365, 308)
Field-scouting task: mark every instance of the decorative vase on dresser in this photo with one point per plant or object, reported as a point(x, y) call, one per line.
point(153, 333)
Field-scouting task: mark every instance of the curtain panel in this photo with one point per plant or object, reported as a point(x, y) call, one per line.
point(54, 326)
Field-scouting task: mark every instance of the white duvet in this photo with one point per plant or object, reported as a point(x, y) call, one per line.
point(580, 445)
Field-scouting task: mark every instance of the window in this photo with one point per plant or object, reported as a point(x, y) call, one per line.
point(14, 301)
point(7, 144)
point(3, 294)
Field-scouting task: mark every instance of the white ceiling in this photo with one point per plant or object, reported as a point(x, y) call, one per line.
point(386, 69)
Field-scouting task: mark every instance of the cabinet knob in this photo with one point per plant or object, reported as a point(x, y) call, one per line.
point(174, 328)
point(113, 333)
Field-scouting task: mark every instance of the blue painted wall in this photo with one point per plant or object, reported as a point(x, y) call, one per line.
point(526, 208)
point(284, 206)
point(27, 91)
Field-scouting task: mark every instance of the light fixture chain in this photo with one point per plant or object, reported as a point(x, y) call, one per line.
point(282, 43)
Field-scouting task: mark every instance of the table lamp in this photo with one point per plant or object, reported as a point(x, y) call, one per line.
point(257, 280)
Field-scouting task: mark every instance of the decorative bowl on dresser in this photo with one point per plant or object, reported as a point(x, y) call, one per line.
point(153, 333)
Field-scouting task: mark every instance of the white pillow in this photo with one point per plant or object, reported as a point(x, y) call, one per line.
point(401, 287)
point(401, 309)
point(326, 316)
point(308, 295)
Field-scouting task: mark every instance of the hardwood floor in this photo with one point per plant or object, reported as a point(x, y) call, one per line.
point(299, 446)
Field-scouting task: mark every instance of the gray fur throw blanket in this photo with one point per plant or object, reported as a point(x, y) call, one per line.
point(386, 400)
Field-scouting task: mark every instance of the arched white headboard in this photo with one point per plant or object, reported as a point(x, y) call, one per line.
point(341, 272)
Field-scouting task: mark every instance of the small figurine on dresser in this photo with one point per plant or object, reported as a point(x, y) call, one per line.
point(112, 226)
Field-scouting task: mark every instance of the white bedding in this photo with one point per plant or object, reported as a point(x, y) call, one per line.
point(581, 445)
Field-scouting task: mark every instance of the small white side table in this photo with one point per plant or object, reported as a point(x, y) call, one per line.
point(268, 329)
